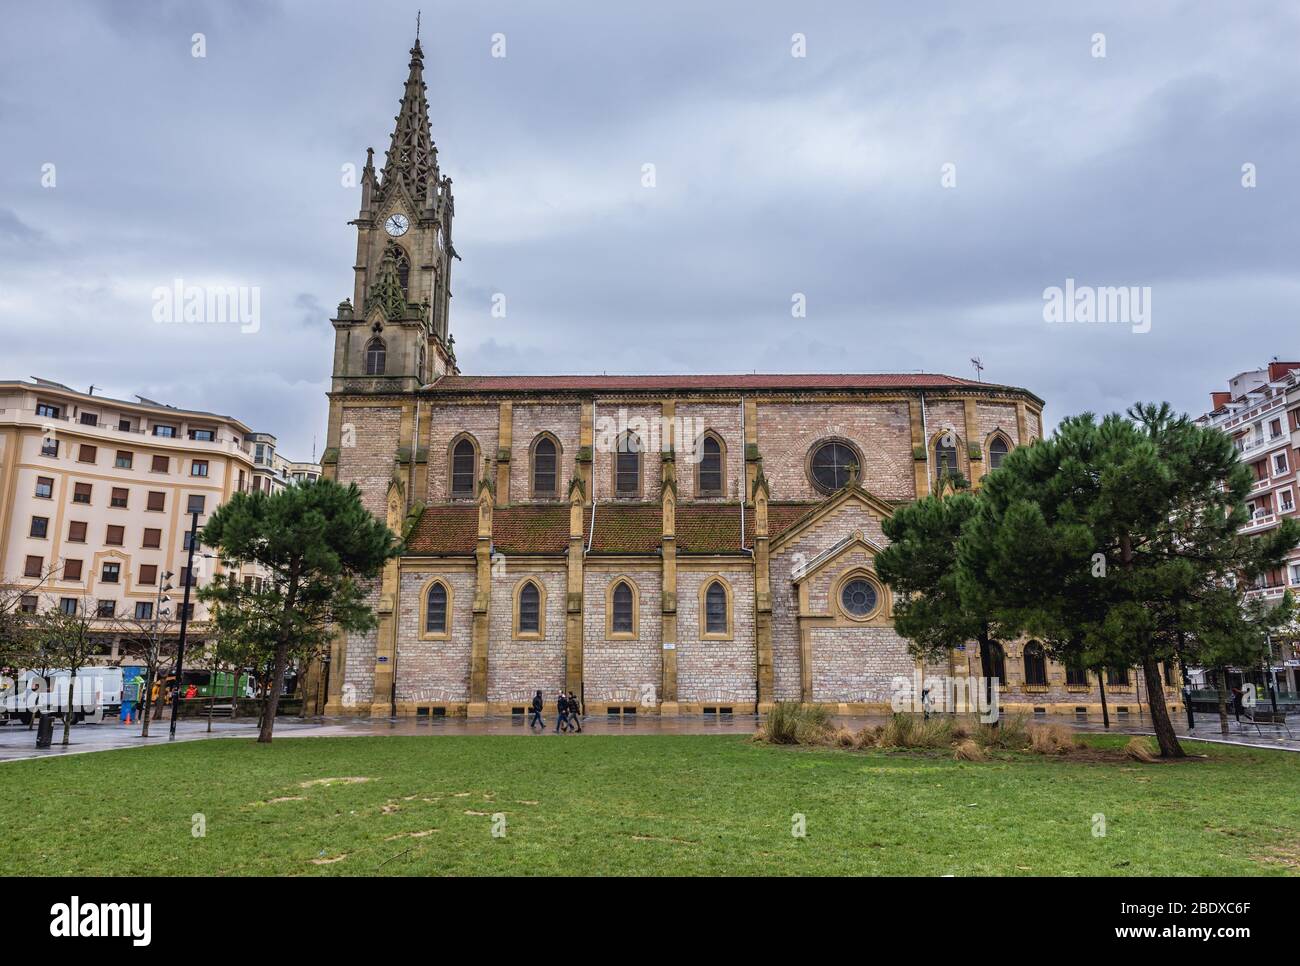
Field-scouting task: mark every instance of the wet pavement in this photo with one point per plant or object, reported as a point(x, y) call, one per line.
point(18, 742)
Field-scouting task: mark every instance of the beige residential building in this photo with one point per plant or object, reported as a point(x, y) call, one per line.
point(96, 497)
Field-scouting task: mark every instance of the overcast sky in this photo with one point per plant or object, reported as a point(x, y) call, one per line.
point(774, 175)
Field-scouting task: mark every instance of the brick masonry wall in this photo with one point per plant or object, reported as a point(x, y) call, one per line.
point(712, 670)
point(368, 461)
point(882, 433)
point(647, 423)
point(786, 660)
point(447, 421)
point(527, 422)
point(858, 663)
point(517, 668)
point(359, 668)
point(723, 419)
point(993, 416)
point(622, 670)
point(434, 670)
point(1032, 424)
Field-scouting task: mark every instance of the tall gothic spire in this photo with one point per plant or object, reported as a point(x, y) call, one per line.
point(412, 158)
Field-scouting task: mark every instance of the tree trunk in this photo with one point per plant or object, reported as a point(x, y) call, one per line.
point(1223, 700)
point(1101, 687)
point(986, 671)
point(1164, 728)
point(273, 698)
point(67, 715)
point(143, 702)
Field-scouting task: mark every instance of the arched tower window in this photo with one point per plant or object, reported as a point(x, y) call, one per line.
point(403, 269)
point(1035, 665)
point(464, 456)
point(376, 357)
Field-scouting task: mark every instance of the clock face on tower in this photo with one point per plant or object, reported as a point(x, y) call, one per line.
point(396, 225)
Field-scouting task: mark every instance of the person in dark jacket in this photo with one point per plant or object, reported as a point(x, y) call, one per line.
point(1237, 704)
point(535, 719)
point(575, 713)
point(562, 709)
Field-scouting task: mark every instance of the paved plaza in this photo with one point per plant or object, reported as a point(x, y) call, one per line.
point(18, 742)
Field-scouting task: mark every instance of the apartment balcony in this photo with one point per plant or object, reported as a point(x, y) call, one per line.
point(1266, 593)
point(65, 425)
point(1262, 520)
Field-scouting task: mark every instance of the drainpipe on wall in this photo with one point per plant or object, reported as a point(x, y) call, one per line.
point(925, 438)
point(595, 476)
point(744, 479)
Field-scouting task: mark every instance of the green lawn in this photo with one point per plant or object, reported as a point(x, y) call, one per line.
point(639, 805)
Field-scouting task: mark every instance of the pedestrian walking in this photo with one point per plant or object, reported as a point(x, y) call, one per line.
point(535, 719)
point(562, 710)
point(575, 713)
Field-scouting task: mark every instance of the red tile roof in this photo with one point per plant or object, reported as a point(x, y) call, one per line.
point(775, 381)
point(445, 531)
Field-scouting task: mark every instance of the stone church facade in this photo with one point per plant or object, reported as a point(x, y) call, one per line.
point(657, 544)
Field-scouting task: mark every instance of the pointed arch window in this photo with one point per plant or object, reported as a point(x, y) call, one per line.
point(528, 610)
point(945, 458)
point(627, 467)
point(464, 456)
point(545, 468)
point(998, 450)
point(717, 610)
point(622, 619)
point(436, 601)
point(709, 477)
point(1035, 665)
point(376, 357)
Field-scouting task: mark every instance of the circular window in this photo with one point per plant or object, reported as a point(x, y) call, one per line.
point(831, 464)
point(858, 597)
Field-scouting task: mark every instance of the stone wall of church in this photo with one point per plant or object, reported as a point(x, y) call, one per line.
point(621, 670)
point(519, 666)
point(435, 670)
point(724, 419)
point(709, 670)
point(446, 422)
point(857, 663)
point(611, 420)
point(367, 444)
point(791, 559)
point(359, 668)
point(527, 422)
point(881, 432)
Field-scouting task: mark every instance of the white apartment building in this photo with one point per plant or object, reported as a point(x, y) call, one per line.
point(96, 496)
point(1260, 410)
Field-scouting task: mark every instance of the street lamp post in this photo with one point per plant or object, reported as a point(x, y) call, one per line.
point(185, 617)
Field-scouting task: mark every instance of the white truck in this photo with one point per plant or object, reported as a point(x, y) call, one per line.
point(96, 694)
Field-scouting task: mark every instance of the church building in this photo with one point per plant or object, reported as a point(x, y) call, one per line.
point(679, 544)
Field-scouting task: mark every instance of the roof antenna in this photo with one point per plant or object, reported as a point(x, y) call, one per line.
point(979, 368)
point(92, 391)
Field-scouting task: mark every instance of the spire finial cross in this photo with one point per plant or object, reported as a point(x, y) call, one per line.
point(417, 25)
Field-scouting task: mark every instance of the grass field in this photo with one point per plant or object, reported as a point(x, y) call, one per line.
point(606, 805)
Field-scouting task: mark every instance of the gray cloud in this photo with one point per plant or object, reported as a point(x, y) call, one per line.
point(775, 175)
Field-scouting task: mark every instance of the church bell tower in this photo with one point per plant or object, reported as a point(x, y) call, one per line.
point(392, 335)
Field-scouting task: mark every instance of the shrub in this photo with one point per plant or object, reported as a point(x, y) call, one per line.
point(843, 738)
point(1139, 749)
point(912, 731)
point(868, 737)
point(968, 750)
point(1010, 734)
point(790, 723)
point(1053, 739)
